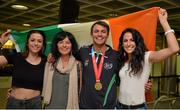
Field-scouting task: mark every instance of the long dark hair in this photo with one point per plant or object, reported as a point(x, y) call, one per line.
point(137, 61)
point(59, 37)
point(41, 52)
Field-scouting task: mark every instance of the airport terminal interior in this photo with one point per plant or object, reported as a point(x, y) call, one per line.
point(165, 75)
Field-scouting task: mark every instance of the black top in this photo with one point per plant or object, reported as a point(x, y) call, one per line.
point(89, 97)
point(26, 75)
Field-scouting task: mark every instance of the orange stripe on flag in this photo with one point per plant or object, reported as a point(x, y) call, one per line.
point(144, 21)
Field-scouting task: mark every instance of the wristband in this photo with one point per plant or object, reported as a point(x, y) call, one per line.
point(172, 30)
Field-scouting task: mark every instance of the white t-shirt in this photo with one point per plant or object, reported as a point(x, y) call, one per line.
point(132, 91)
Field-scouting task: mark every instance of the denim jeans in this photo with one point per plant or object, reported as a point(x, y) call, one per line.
point(33, 103)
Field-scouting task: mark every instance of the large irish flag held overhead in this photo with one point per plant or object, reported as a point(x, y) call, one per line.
point(145, 21)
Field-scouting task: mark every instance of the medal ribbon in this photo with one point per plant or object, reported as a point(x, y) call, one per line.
point(97, 69)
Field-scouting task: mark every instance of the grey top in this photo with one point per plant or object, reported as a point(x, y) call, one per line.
point(59, 91)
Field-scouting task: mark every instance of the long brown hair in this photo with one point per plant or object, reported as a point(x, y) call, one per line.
point(41, 52)
point(136, 63)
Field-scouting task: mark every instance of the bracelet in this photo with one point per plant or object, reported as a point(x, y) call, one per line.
point(172, 30)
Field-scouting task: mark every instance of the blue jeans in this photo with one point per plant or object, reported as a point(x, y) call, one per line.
point(140, 106)
point(33, 103)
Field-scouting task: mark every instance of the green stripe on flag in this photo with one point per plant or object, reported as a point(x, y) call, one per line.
point(50, 32)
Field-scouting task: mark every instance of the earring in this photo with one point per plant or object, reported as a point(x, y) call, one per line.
point(124, 54)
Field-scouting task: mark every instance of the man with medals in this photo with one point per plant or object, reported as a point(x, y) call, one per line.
point(100, 66)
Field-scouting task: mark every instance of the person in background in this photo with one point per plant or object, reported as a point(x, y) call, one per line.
point(27, 77)
point(136, 62)
point(61, 86)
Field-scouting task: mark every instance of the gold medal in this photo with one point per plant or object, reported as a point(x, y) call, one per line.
point(98, 86)
point(98, 69)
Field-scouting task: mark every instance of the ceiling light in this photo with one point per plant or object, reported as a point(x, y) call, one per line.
point(27, 25)
point(19, 7)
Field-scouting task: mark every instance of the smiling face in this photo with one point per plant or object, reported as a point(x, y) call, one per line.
point(64, 46)
point(99, 35)
point(35, 43)
point(129, 44)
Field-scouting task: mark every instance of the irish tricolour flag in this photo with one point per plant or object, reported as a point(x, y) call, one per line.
point(145, 21)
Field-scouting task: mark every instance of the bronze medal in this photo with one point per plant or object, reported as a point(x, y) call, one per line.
point(98, 86)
